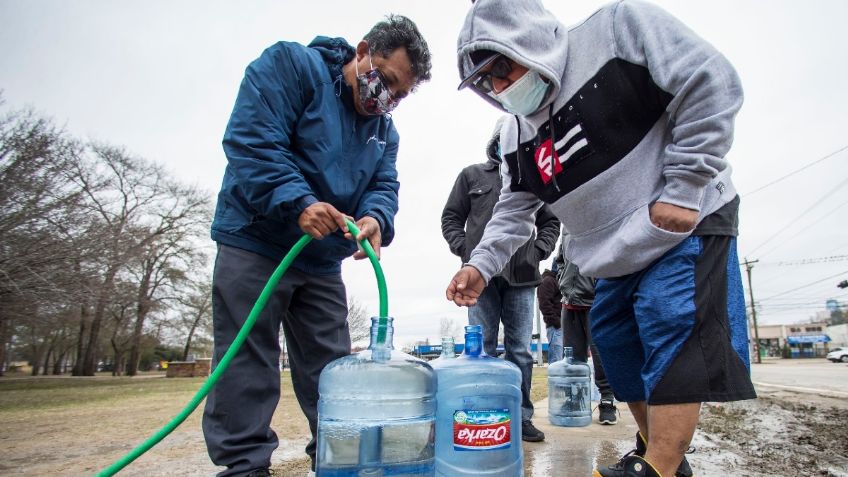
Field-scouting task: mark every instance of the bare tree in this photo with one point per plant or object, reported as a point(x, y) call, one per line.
point(81, 225)
point(195, 315)
point(120, 312)
point(165, 261)
point(38, 203)
point(448, 328)
point(358, 321)
point(135, 206)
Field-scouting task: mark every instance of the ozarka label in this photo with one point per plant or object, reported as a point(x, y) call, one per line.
point(481, 430)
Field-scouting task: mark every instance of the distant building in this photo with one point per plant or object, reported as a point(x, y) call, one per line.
point(803, 340)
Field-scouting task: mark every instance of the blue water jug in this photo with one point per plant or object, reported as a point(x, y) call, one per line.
point(569, 392)
point(376, 413)
point(478, 421)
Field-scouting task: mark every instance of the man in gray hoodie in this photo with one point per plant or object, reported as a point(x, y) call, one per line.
point(621, 125)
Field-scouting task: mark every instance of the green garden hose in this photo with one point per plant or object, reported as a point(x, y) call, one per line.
point(242, 335)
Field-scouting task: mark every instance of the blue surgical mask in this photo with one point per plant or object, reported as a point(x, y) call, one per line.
point(524, 96)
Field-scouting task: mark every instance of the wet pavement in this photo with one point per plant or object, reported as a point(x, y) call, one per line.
point(575, 451)
point(799, 426)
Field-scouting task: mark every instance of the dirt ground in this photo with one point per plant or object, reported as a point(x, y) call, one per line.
point(781, 434)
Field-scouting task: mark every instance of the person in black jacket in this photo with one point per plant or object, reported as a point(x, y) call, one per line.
point(550, 304)
point(578, 293)
point(509, 297)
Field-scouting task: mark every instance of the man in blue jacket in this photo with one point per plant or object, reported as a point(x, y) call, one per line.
point(309, 142)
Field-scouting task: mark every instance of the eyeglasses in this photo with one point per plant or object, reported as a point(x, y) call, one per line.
point(501, 68)
point(385, 83)
point(381, 90)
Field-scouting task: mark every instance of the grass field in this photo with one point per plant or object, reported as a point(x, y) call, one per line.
point(67, 392)
point(539, 384)
point(77, 426)
point(57, 392)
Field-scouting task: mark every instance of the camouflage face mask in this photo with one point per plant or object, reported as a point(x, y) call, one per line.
point(374, 96)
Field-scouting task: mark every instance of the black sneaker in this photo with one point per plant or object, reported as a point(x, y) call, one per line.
point(630, 466)
point(260, 473)
point(529, 432)
point(683, 470)
point(607, 412)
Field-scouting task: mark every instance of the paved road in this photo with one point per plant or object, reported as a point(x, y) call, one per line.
point(811, 376)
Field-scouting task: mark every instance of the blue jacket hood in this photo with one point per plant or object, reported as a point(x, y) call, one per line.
point(336, 52)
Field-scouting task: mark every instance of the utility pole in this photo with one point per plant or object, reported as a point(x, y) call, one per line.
point(748, 267)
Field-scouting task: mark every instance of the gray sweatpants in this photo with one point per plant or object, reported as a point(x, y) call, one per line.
point(313, 312)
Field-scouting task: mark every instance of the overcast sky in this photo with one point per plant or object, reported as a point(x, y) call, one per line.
point(160, 77)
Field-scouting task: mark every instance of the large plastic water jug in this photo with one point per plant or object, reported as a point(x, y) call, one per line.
point(448, 351)
point(569, 392)
point(478, 421)
point(376, 412)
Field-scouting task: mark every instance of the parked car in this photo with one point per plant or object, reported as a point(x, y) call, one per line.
point(838, 354)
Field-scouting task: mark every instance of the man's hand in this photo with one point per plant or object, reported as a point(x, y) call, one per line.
point(673, 218)
point(369, 229)
point(321, 219)
point(465, 287)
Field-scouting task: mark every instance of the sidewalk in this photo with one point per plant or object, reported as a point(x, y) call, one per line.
point(575, 451)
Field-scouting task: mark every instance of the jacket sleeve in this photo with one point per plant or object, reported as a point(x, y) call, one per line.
point(559, 261)
point(455, 214)
point(380, 199)
point(706, 95)
point(550, 301)
point(510, 227)
point(547, 231)
point(259, 135)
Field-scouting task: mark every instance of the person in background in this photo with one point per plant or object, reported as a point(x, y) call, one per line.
point(309, 143)
point(550, 304)
point(621, 125)
point(509, 299)
point(578, 292)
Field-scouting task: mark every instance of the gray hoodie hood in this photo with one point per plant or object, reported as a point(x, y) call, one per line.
point(522, 30)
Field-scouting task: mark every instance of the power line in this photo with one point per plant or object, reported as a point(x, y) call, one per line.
point(795, 311)
point(782, 275)
point(748, 194)
point(793, 221)
point(809, 298)
point(837, 248)
point(806, 228)
point(814, 304)
point(800, 301)
point(797, 262)
point(805, 261)
point(805, 286)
